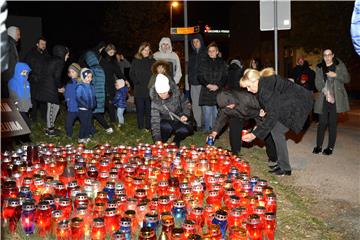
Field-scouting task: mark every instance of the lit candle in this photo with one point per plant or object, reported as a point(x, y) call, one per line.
point(98, 229)
point(111, 220)
point(271, 203)
point(28, 217)
point(254, 227)
point(179, 212)
point(270, 226)
point(63, 231)
point(77, 228)
point(220, 219)
point(43, 218)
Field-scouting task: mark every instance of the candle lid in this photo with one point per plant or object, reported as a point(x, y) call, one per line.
point(56, 213)
point(28, 205)
point(147, 232)
point(269, 216)
point(98, 222)
point(63, 224)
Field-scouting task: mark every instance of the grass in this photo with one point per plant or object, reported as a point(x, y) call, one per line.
point(294, 219)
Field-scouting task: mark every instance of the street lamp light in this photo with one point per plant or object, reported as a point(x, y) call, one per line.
point(173, 4)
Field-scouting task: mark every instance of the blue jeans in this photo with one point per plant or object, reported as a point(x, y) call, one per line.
point(120, 115)
point(209, 114)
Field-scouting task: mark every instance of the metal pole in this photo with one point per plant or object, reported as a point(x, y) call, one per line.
point(186, 48)
point(170, 16)
point(275, 36)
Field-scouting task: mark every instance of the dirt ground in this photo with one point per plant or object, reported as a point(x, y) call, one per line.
point(332, 181)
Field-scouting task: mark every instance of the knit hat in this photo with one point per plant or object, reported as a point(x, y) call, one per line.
point(84, 72)
point(75, 67)
point(11, 31)
point(121, 82)
point(162, 84)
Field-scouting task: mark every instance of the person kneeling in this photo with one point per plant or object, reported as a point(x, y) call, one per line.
point(170, 112)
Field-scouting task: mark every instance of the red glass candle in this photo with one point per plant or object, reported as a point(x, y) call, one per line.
point(77, 228)
point(63, 231)
point(56, 217)
point(164, 204)
point(196, 215)
point(209, 213)
point(80, 175)
point(43, 217)
point(162, 188)
point(81, 199)
point(235, 217)
point(254, 227)
point(140, 195)
point(270, 226)
point(111, 220)
point(65, 207)
point(99, 210)
point(260, 211)
point(9, 189)
point(213, 198)
point(189, 227)
point(98, 231)
point(198, 193)
point(60, 190)
point(11, 212)
point(238, 233)
point(271, 203)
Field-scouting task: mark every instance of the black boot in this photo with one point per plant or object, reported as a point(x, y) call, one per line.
point(317, 150)
point(327, 151)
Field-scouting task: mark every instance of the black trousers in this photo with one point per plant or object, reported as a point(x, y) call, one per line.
point(69, 122)
point(36, 107)
point(26, 118)
point(327, 119)
point(181, 131)
point(270, 148)
point(85, 117)
point(143, 111)
point(235, 128)
point(110, 109)
point(101, 119)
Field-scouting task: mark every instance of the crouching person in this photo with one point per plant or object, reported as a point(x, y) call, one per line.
point(86, 100)
point(170, 112)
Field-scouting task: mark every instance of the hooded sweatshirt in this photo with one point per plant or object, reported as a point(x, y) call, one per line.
point(195, 59)
point(171, 57)
point(19, 88)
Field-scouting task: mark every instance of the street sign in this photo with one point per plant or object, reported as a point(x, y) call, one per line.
point(12, 123)
point(185, 30)
point(271, 8)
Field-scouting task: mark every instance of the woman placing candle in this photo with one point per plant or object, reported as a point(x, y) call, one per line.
point(287, 106)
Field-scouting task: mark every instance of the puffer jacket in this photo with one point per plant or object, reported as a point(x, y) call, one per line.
point(160, 108)
point(211, 71)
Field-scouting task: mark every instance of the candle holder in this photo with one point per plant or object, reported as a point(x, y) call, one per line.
point(77, 228)
point(254, 227)
point(270, 226)
point(63, 231)
point(43, 217)
point(98, 231)
point(28, 217)
point(147, 233)
point(125, 227)
point(220, 219)
point(111, 220)
point(11, 212)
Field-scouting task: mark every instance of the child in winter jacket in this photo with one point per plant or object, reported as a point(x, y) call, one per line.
point(86, 101)
point(19, 90)
point(70, 98)
point(120, 99)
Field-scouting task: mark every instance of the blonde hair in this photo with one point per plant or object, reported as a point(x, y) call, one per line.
point(143, 45)
point(253, 75)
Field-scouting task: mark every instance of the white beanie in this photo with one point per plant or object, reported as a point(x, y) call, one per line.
point(121, 82)
point(84, 72)
point(162, 84)
point(11, 31)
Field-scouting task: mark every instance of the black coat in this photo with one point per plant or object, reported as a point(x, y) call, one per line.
point(13, 58)
point(234, 74)
point(211, 71)
point(302, 73)
point(140, 74)
point(36, 60)
point(112, 72)
point(246, 107)
point(50, 77)
point(284, 102)
point(195, 59)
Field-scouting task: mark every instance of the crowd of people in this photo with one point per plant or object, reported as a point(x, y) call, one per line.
point(220, 94)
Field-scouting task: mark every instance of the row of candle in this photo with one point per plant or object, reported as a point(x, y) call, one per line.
point(200, 186)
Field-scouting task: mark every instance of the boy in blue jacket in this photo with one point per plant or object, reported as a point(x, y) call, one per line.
point(70, 98)
point(120, 100)
point(86, 100)
point(19, 90)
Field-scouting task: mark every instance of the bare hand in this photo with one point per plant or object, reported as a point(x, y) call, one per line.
point(331, 74)
point(262, 113)
point(61, 90)
point(213, 134)
point(183, 118)
point(248, 137)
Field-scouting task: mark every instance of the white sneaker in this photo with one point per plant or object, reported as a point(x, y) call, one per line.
point(87, 140)
point(109, 130)
point(81, 140)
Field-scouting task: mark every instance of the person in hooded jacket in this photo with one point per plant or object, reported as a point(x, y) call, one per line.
point(14, 35)
point(303, 75)
point(235, 72)
point(36, 60)
point(212, 76)
point(50, 85)
point(287, 106)
point(166, 53)
point(19, 90)
point(140, 74)
point(98, 82)
point(237, 106)
point(112, 73)
point(196, 57)
point(331, 75)
point(170, 112)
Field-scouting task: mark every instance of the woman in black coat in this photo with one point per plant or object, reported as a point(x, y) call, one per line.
point(140, 74)
point(236, 106)
point(112, 72)
point(287, 106)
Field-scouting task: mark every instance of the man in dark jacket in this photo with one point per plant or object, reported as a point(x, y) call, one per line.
point(235, 72)
point(50, 85)
point(36, 60)
point(236, 106)
point(212, 76)
point(199, 52)
point(13, 57)
point(303, 75)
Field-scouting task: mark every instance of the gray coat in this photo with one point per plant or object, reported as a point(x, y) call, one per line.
point(341, 97)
